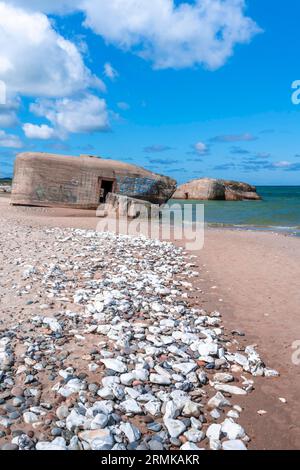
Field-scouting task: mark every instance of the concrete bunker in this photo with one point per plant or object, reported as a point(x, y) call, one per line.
point(50, 180)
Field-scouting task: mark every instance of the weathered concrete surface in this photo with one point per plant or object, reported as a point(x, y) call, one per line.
point(215, 189)
point(50, 180)
point(128, 207)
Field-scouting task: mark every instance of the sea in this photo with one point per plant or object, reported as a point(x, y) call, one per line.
point(278, 211)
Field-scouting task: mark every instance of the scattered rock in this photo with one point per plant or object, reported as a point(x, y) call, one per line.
point(235, 444)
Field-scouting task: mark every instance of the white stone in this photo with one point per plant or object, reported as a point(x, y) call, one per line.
point(233, 414)
point(190, 446)
point(106, 393)
point(214, 431)
point(57, 444)
point(73, 386)
point(223, 377)
point(159, 379)
point(180, 398)
point(230, 389)
point(115, 364)
point(196, 423)
point(53, 324)
point(161, 371)
point(131, 406)
point(62, 412)
point(194, 436)
point(271, 373)
point(110, 380)
point(30, 417)
point(174, 426)
point(191, 409)
point(141, 374)
point(234, 444)
point(232, 430)
point(153, 407)
point(127, 379)
point(215, 414)
point(132, 433)
point(100, 439)
point(185, 367)
point(75, 420)
point(215, 444)
point(218, 401)
point(172, 410)
point(208, 349)
point(100, 421)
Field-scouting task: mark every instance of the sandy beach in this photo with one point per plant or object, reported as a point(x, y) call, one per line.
point(252, 278)
point(257, 276)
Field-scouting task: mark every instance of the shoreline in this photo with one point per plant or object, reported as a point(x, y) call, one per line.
point(238, 267)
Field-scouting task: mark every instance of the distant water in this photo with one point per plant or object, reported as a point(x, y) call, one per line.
point(279, 211)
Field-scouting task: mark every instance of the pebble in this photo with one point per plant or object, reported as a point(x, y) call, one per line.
point(114, 365)
point(100, 439)
point(218, 401)
point(159, 379)
point(234, 444)
point(30, 417)
point(232, 389)
point(190, 446)
point(155, 427)
point(174, 426)
point(132, 433)
point(57, 444)
point(223, 377)
point(194, 436)
point(123, 341)
point(214, 431)
point(154, 444)
point(56, 432)
point(62, 412)
point(131, 406)
point(232, 430)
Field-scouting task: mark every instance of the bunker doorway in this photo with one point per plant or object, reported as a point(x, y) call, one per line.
point(106, 186)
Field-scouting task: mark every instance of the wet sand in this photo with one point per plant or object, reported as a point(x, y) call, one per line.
point(257, 276)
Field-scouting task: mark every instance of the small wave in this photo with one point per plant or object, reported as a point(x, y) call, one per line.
point(294, 230)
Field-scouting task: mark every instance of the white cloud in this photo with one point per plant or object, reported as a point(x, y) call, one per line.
point(201, 148)
point(282, 164)
point(33, 131)
point(203, 33)
point(47, 6)
point(9, 140)
point(169, 35)
point(82, 115)
point(110, 71)
point(37, 61)
point(8, 112)
point(8, 119)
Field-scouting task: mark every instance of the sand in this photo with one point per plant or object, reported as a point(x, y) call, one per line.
point(256, 275)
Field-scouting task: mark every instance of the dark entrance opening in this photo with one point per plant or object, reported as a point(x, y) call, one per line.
point(106, 186)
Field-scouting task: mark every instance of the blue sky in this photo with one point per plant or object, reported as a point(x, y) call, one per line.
point(178, 107)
